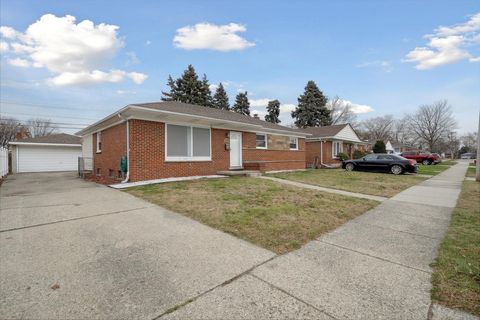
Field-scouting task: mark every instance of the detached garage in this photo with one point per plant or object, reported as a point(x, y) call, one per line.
point(56, 152)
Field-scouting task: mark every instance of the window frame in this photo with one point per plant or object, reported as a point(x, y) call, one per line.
point(290, 144)
point(266, 140)
point(98, 141)
point(190, 151)
point(340, 148)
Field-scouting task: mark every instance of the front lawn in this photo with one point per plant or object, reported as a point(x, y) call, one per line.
point(378, 184)
point(456, 276)
point(448, 162)
point(471, 171)
point(432, 170)
point(269, 214)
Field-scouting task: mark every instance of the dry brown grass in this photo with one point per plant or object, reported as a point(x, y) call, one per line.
point(269, 214)
point(456, 276)
point(378, 184)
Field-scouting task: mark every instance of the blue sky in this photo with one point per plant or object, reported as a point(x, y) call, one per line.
point(385, 57)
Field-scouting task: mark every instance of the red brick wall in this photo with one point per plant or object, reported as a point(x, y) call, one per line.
point(313, 150)
point(147, 154)
point(268, 159)
point(114, 146)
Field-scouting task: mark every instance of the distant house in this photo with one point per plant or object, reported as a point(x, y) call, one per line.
point(325, 143)
point(56, 152)
point(174, 139)
point(398, 147)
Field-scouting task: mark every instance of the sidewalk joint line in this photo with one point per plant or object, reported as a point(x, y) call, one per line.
point(294, 297)
point(73, 219)
point(226, 282)
point(375, 257)
point(396, 230)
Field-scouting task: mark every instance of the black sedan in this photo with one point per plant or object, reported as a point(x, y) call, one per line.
point(381, 162)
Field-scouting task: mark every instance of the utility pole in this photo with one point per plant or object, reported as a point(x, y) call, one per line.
point(477, 176)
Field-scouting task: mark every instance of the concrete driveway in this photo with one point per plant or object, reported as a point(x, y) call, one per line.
point(75, 249)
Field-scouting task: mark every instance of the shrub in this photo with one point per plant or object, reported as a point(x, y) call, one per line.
point(342, 156)
point(357, 154)
point(379, 147)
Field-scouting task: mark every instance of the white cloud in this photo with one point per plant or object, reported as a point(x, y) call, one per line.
point(355, 107)
point(259, 102)
point(18, 62)
point(74, 52)
point(447, 45)
point(287, 108)
point(121, 92)
point(4, 46)
point(137, 77)
point(386, 66)
point(212, 37)
point(132, 58)
point(148, 42)
point(8, 32)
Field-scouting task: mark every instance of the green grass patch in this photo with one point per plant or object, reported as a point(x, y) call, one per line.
point(274, 216)
point(448, 162)
point(378, 184)
point(432, 170)
point(456, 276)
point(471, 171)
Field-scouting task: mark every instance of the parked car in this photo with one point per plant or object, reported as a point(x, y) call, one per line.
point(425, 158)
point(381, 162)
point(468, 155)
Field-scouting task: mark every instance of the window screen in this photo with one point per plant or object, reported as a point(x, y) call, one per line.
point(178, 141)
point(293, 142)
point(201, 142)
point(261, 141)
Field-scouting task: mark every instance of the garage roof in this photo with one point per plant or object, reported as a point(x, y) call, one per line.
point(57, 139)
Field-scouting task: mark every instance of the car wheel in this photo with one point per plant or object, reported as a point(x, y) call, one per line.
point(350, 167)
point(396, 169)
point(426, 162)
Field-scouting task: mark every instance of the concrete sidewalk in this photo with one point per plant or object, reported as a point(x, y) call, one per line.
point(373, 267)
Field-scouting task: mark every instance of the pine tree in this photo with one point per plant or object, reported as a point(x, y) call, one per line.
point(242, 105)
point(173, 94)
point(206, 96)
point(273, 109)
point(189, 89)
point(311, 110)
point(220, 98)
point(379, 147)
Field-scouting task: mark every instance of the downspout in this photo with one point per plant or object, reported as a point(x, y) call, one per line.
point(127, 177)
point(321, 156)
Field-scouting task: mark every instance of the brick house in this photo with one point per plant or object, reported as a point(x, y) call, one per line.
point(325, 143)
point(174, 139)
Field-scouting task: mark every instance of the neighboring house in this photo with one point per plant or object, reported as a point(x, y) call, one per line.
point(398, 147)
point(56, 152)
point(174, 139)
point(325, 143)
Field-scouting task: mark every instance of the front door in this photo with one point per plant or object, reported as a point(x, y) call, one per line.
point(235, 150)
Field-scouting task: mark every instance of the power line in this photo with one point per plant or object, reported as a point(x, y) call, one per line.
point(51, 122)
point(45, 115)
point(46, 106)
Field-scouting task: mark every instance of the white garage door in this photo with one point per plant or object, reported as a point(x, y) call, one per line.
point(45, 158)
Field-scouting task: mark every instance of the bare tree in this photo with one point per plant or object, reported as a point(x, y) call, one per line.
point(378, 128)
point(341, 111)
point(432, 122)
point(400, 132)
point(469, 140)
point(8, 129)
point(41, 127)
point(450, 144)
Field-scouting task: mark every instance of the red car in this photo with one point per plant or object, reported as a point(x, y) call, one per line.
point(425, 158)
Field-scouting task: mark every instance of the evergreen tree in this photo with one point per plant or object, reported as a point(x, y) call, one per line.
point(242, 105)
point(379, 147)
point(189, 89)
point(311, 110)
point(206, 96)
point(220, 98)
point(173, 94)
point(273, 109)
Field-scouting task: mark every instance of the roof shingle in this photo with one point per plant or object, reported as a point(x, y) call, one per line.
point(59, 138)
